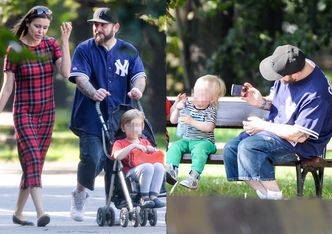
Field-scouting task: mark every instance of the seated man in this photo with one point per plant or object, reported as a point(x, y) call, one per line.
point(300, 121)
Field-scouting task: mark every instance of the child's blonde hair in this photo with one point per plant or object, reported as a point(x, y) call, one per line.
point(130, 115)
point(217, 87)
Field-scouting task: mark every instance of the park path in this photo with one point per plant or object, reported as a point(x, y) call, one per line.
point(59, 178)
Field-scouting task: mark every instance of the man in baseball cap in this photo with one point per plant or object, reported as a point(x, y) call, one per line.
point(104, 15)
point(105, 69)
point(299, 123)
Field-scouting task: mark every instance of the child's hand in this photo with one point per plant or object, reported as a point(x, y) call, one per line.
point(180, 105)
point(185, 119)
point(181, 97)
point(141, 147)
point(150, 148)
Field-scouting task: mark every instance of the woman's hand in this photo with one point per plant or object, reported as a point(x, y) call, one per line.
point(66, 29)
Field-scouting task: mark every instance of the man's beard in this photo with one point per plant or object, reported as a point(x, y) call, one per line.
point(101, 38)
point(290, 80)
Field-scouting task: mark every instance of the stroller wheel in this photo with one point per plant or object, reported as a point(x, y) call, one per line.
point(110, 216)
point(143, 213)
point(101, 216)
point(153, 217)
point(135, 218)
point(124, 217)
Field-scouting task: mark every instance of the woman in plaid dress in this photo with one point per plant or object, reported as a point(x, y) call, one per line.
point(33, 108)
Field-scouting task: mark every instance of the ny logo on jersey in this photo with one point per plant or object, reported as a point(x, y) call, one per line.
point(121, 67)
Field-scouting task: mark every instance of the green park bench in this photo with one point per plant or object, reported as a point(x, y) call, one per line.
point(231, 112)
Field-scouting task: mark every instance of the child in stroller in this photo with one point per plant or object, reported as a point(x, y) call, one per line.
point(116, 186)
point(142, 162)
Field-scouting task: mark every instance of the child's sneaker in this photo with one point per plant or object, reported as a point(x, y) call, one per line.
point(158, 203)
point(77, 205)
point(146, 203)
point(191, 181)
point(171, 174)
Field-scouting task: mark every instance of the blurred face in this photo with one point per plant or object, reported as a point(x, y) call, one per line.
point(38, 28)
point(133, 129)
point(201, 96)
point(104, 32)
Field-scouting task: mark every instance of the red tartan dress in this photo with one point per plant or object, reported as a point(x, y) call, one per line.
point(33, 109)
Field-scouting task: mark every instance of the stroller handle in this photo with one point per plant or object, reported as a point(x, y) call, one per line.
point(139, 106)
point(100, 115)
point(138, 103)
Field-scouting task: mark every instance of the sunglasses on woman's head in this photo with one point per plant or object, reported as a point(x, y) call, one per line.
point(42, 10)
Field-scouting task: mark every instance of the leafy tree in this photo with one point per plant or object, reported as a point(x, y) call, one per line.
point(142, 23)
point(229, 38)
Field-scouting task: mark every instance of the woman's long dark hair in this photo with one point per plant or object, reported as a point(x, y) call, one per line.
point(20, 29)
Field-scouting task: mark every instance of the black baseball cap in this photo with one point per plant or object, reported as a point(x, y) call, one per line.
point(285, 60)
point(103, 15)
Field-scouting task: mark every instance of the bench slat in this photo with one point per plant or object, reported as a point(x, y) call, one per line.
point(314, 162)
point(232, 111)
point(219, 159)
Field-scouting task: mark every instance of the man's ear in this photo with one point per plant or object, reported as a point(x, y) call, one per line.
point(116, 28)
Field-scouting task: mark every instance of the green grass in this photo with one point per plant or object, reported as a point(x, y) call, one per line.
point(64, 145)
point(214, 182)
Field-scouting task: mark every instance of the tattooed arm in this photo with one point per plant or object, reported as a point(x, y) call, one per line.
point(84, 85)
point(140, 83)
point(266, 104)
point(138, 88)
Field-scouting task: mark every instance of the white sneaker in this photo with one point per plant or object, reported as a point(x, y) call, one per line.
point(260, 194)
point(78, 201)
point(271, 195)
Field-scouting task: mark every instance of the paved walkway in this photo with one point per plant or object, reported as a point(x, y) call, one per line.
point(58, 182)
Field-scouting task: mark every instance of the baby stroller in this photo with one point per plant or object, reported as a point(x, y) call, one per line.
point(122, 191)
